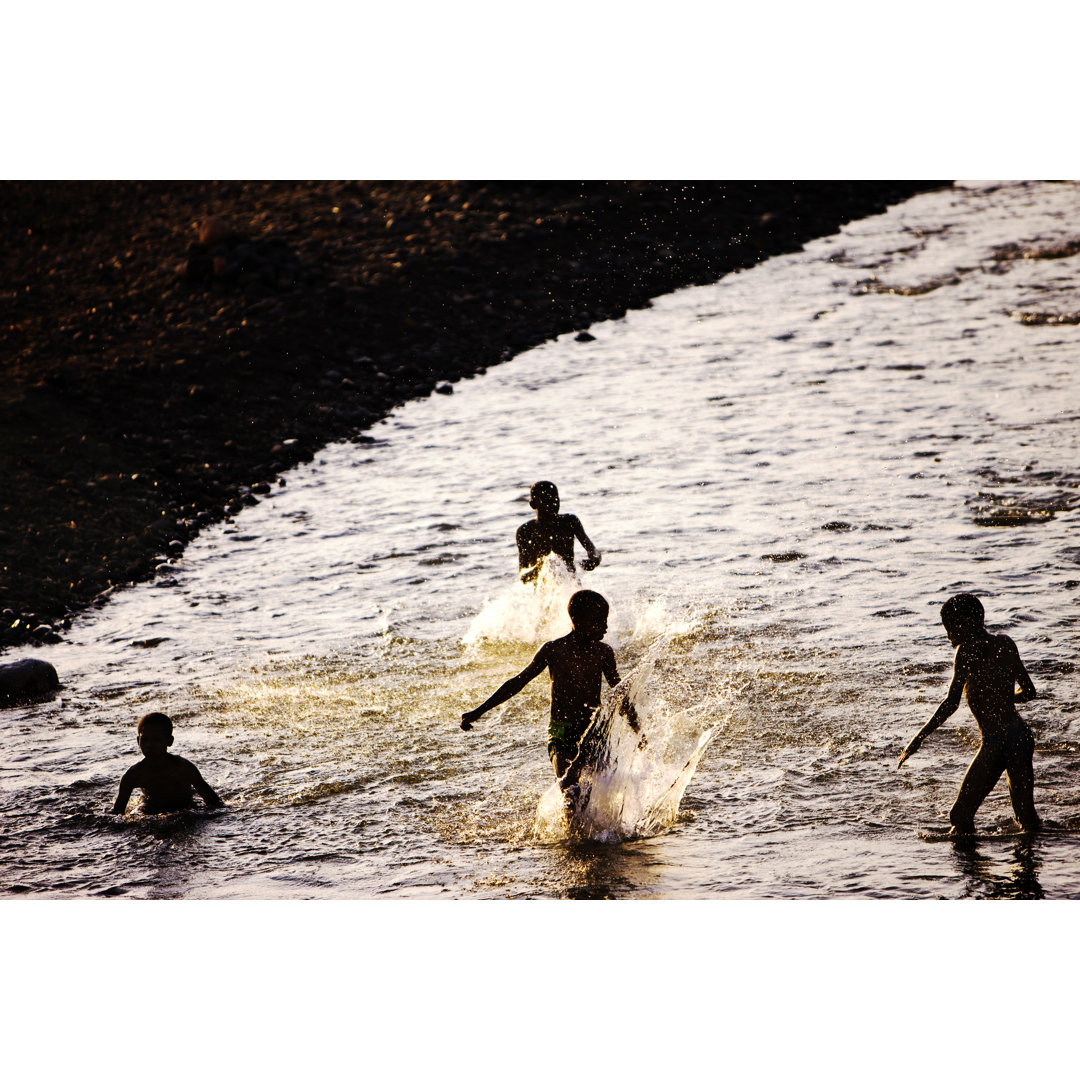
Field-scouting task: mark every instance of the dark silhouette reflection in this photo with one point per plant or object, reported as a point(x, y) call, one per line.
point(179, 856)
point(157, 855)
point(590, 871)
point(995, 879)
point(551, 533)
point(986, 669)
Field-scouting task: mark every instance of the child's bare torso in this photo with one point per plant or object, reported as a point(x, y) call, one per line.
point(552, 535)
point(166, 783)
point(992, 668)
point(577, 667)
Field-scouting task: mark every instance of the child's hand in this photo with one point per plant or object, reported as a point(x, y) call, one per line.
point(590, 562)
point(469, 718)
point(909, 750)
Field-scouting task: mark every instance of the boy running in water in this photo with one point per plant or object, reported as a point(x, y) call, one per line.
point(577, 663)
point(986, 668)
point(551, 533)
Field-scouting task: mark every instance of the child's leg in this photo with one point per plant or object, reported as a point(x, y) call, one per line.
point(561, 758)
point(983, 773)
point(1021, 779)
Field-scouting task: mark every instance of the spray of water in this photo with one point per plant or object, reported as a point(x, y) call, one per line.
point(635, 761)
point(642, 749)
point(529, 614)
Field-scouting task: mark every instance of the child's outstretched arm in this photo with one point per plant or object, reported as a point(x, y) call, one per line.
point(508, 689)
point(942, 712)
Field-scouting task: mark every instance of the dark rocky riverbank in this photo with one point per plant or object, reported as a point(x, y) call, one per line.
point(169, 349)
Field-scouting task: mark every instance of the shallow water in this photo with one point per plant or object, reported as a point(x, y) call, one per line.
point(787, 472)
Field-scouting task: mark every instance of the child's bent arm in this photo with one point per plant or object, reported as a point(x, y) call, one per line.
point(1023, 679)
point(611, 670)
point(528, 563)
point(593, 561)
point(203, 789)
point(507, 690)
point(124, 794)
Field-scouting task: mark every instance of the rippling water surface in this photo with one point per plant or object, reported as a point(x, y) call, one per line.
point(787, 473)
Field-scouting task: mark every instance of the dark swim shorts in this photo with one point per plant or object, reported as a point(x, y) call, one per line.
point(561, 746)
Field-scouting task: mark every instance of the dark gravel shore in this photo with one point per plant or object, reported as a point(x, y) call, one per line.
point(169, 349)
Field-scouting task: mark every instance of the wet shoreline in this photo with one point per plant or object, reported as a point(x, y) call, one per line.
point(170, 349)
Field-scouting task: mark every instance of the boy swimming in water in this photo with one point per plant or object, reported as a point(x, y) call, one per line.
point(551, 533)
point(577, 663)
point(167, 781)
point(986, 668)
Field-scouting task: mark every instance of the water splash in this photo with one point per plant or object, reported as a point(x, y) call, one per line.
point(527, 613)
point(530, 614)
point(635, 762)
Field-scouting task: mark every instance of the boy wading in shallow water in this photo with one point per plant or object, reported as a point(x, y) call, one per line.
point(167, 781)
point(577, 664)
point(551, 533)
point(986, 668)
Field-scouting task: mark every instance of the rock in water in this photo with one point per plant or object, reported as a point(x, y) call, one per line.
point(215, 230)
point(27, 680)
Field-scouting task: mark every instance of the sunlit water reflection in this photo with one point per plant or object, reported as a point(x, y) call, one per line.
point(790, 469)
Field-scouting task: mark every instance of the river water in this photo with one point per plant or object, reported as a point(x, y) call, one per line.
point(787, 472)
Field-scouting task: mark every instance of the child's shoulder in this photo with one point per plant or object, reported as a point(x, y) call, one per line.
point(177, 765)
point(1006, 645)
point(994, 641)
point(133, 772)
point(555, 644)
point(987, 648)
point(567, 645)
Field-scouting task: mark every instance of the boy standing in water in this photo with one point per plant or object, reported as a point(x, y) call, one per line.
point(576, 663)
point(551, 533)
point(986, 667)
point(167, 781)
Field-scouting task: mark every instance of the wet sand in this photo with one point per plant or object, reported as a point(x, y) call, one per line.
point(168, 350)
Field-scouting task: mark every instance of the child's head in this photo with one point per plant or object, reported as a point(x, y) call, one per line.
point(962, 616)
point(155, 733)
point(544, 495)
point(589, 613)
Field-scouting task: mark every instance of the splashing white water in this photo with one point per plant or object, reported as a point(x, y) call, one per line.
point(635, 762)
point(528, 613)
